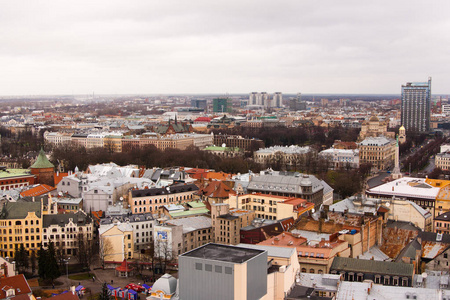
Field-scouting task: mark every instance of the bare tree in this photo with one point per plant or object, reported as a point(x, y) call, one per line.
point(86, 250)
point(163, 253)
point(105, 249)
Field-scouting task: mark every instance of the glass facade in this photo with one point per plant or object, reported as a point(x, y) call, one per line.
point(416, 105)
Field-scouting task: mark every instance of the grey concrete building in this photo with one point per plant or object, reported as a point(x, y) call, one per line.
point(223, 272)
point(289, 184)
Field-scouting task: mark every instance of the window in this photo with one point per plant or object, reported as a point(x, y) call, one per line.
point(198, 266)
point(228, 270)
point(218, 269)
point(208, 267)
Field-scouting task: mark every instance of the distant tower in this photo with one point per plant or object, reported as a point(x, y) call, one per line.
point(396, 174)
point(278, 99)
point(43, 169)
point(252, 98)
point(402, 135)
point(416, 105)
point(264, 100)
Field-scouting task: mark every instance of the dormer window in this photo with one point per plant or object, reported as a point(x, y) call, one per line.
point(10, 292)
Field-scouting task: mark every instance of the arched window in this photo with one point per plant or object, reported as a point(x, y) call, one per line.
point(311, 270)
point(303, 270)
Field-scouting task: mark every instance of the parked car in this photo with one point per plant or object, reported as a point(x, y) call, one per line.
point(135, 287)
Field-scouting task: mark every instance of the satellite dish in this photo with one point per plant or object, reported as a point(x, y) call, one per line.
point(313, 210)
point(424, 275)
point(388, 204)
point(121, 198)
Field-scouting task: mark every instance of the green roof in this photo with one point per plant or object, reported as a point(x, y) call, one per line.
point(217, 148)
point(14, 173)
point(189, 212)
point(42, 161)
point(19, 210)
point(196, 204)
point(372, 266)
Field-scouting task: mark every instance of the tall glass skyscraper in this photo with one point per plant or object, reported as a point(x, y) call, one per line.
point(416, 105)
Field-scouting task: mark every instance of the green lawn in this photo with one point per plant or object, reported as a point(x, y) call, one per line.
point(83, 276)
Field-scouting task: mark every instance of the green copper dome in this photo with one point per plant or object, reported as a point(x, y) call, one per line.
point(42, 161)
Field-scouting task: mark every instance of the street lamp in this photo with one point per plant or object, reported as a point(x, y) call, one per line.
point(66, 261)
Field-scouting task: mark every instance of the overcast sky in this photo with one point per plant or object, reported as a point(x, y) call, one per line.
point(161, 47)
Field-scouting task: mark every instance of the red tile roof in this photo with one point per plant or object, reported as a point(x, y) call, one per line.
point(18, 283)
point(215, 189)
point(38, 190)
point(65, 296)
point(218, 175)
point(202, 119)
point(124, 267)
point(57, 177)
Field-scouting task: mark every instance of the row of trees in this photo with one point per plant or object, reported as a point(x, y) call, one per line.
point(52, 259)
point(17, 144)
point(71, 156)
point(419, 159)
point(301, 135)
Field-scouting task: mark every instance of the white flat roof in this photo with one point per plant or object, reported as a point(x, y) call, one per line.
point(407, 187)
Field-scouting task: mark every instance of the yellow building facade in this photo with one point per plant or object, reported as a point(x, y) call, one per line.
point(116, 242)
point(443, 197)
point(20, 223)
point(377, 151)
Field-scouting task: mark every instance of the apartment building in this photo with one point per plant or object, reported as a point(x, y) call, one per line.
point(20, 223)
point(442, 223)
point(227, 222)
point(58, 138)
point(66, 231)
point(377, 151)
point(142, 225)
point(342, 158)
point(149, 200)
point(289, 184)
point(316, 254)
point(271, 207)
point(237, 141)
point(286, 155)
point(442, 160)
point(116, 242)
point(196, 232)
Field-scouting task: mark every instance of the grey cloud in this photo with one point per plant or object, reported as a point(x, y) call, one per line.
point(219, 46)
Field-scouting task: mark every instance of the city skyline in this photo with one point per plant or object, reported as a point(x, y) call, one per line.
point(68, 47)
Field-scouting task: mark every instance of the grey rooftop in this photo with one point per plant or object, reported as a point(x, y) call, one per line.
point(224, 253)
